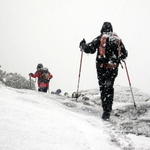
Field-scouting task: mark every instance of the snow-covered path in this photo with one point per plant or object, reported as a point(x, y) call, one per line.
point(31, 121)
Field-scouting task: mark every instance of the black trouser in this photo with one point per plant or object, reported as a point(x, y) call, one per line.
point(106, 78)
point(43, 89)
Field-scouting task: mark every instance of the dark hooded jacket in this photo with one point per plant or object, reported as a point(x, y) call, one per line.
point(111, 50)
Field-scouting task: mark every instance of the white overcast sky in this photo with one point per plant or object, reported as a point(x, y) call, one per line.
point(49, 32)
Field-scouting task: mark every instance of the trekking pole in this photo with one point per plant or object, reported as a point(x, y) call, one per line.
point(79, 74)
point(30, 81)
point(129, 83)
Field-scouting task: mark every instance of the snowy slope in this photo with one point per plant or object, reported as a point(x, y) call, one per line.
point(30, 121)
point(37, 121)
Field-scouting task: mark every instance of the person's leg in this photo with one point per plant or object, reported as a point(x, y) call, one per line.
point(40, 89)
point(106, 78)
point(108, 95)
point(101, 72)
point(109, 92)
point(45, 89)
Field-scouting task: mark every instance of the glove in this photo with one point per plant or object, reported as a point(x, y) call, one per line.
point(82, 44)
point(30, 74)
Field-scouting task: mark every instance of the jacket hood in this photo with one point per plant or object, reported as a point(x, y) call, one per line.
point(107, 27)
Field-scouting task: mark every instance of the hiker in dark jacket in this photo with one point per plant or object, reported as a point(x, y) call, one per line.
point(110, 51)
point(43, 76)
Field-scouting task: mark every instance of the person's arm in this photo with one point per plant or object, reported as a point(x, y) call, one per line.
point(37, 74)
point(89, 47)
point(124, 52)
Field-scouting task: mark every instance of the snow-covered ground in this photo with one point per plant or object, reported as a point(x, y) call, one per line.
point(37, 121)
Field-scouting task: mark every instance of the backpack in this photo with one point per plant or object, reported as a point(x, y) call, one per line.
point(109, 38)
point(45, 74)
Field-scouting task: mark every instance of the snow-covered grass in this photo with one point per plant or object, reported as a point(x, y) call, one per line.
point(30, 120)
point(131, 120)
point(124, 117)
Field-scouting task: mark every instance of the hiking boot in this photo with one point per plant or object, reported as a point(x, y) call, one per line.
point(106, 115)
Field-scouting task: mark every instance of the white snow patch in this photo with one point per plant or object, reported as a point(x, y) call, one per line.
point(30, 121)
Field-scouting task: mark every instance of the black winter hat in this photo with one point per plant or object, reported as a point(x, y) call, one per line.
point(107, 27)
point(39, 66)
